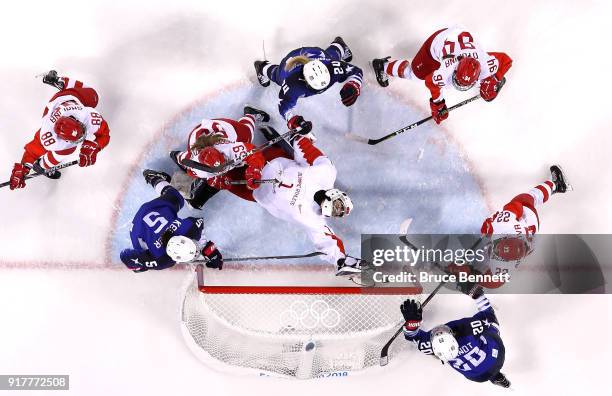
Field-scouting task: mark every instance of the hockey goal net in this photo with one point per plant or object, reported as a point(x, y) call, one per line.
point(291, 331)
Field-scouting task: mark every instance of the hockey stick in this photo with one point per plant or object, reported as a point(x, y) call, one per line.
point(313, 254)
point(62, 166)
point(262, 181)
point(384, 353)
point(224, 168)
point(411, 126)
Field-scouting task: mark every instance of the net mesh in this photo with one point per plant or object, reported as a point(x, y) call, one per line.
point(292, 335)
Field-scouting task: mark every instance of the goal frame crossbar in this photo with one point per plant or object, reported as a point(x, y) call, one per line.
point(337, 290)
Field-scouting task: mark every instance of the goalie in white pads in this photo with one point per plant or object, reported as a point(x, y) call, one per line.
point(305, 195)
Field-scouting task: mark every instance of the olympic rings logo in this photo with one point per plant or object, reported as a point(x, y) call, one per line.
point(302, 315)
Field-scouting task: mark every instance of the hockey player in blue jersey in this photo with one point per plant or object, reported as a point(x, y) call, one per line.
point(309, 71)
point(472, 346)
point(160, 238)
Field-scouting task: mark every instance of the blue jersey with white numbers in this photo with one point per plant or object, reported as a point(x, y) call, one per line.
point(481, 350)
point(292, 83)
point(152, 220)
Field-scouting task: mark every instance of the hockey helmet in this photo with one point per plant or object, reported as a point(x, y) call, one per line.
point(466, 74)
point(316, 75)
point(443, 343)
point(69, 129)
point(510, 247)
point(509, 242)
point(210, 156)
point(181, 249)
point(336, 203)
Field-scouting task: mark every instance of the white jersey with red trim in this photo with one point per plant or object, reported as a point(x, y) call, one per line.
point(67, 106)
point(453, 42)
point(505, 222)
point(293, 198)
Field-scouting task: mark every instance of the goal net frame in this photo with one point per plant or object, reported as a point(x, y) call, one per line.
point(322, 331)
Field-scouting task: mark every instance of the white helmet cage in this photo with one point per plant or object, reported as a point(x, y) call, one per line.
point(336, 203)
point(316, 75)
point(182, 249)
point(443, 343)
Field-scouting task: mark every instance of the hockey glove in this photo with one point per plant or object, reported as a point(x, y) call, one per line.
point(413, 314)
point(439, 111)
point(88, 154)
point(468, 287)
point(297, 121)
point(214, 259)
point(490, 87)
point(252, 175)
point(18, 175)
point(221, 182)
point(131, 261)
point(349, 93)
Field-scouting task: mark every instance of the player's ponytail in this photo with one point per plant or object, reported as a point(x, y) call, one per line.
point(295, 61)
point(206, 141)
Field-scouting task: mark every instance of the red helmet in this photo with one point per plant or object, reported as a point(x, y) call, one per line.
point(510, 248)
point(466, 74)
point(69, 129)
point(210, 156)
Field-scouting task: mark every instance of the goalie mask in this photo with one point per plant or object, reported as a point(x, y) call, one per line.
point(336, 203)
point(443, 343)
point(316, 75)
point(182, 249)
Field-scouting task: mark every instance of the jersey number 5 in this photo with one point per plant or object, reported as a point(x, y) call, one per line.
point(153, 219)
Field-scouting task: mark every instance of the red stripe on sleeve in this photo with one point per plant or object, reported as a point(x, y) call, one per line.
point(310, 152)
point(544, 191)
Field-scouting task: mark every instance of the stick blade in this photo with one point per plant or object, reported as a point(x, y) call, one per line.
point(356, 138)
point(384, 360)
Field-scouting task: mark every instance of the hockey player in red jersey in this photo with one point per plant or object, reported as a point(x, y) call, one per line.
point(449, 57)
point(217, 141)
point(511, 228)
point(69, 122)
point(510, 231)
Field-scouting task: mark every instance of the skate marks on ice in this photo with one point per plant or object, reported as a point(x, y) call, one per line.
point(422, 176)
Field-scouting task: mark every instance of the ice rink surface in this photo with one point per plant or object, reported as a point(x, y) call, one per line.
point(69, 308)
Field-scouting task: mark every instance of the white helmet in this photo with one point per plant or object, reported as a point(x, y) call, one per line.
point(336, 203)
point(316, 75)
point(181, 249)
point(443, 343)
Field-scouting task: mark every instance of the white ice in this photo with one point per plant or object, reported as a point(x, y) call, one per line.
point(69, 308)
